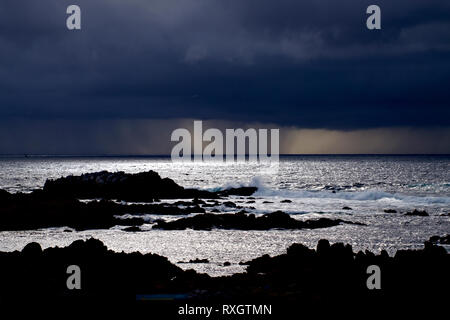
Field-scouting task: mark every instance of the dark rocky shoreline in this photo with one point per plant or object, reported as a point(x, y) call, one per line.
point(58, 205)
point(332, 275)
point(302, 277)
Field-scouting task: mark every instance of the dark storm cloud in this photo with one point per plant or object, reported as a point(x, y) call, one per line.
point(303, 63)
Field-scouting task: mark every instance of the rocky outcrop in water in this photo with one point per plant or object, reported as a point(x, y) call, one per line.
point(242, 191)
point(41, 210)
point(242, 221)
point(440, 240)
point(58, 205)
point(418, 213)
point(144, 186)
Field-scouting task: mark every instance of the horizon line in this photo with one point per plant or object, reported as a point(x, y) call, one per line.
point(37, 155)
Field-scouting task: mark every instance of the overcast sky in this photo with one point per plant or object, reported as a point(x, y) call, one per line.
point(139, 68)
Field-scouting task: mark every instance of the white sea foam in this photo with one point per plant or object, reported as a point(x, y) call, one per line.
point(367, 195)
point(351, 195)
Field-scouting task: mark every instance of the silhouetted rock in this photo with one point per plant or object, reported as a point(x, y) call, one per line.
point(32, 249)
point(332, 275)
point(57, 204)
point(144, 186)
point(242, 221)
point(440, 240)
point(197, 260)
point(390, 211)
point(197, 201)
point(242, 191)
point(336, 275)
point(41, 210)
point(132, 229)
point(229, 204)
point(346, 208)
point(418, 213)
point(104, 274)
point(286, 201)
point(4, 195)
point(323, 247)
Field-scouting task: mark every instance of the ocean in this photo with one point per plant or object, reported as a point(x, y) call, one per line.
point(316, 186)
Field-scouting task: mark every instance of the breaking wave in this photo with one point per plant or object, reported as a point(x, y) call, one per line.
point(365, 195)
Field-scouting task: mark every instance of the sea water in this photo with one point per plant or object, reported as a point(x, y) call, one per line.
point(317, 186)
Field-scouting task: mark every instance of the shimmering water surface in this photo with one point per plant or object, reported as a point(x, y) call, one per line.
point(318, 186)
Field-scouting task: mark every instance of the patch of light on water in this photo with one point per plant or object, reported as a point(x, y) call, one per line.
point(368, 185)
